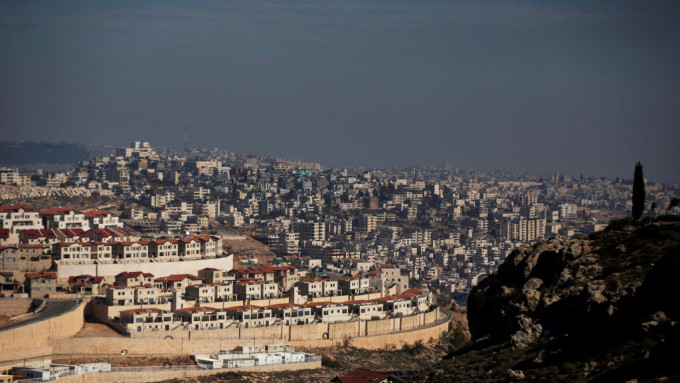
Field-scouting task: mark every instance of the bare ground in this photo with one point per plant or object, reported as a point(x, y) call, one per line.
point(97, 330)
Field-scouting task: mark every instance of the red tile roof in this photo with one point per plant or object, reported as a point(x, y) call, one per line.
point(15, 208)
point(98, 213)
point(58, 211)
point(41, 275)
point(362, 376)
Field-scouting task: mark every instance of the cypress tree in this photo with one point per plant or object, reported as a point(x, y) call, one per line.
point(639, 195)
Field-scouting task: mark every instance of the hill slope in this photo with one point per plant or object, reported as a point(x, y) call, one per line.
point(604, 308)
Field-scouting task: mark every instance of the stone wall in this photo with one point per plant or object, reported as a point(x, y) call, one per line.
point(13, 307)
point(33, 340)
point(303, 336)
point(160, 375)
point(159, 269)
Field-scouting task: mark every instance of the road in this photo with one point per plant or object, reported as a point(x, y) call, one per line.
point(52, 308)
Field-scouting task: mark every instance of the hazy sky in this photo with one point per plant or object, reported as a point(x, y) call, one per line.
point(570, 86)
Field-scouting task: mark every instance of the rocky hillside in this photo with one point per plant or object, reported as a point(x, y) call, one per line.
point(602, 308)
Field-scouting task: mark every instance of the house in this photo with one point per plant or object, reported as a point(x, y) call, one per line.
point(120, 296)
point(246, 289)
point(291, 314)
point(224, 292)
point(146, 294)
point(23, 258)
point(177, 282)
point(189, 248)
point(102, 219)
point(19, 217)
point(211, 246)
point(311, 288)
point(328, 312)
point(167, 249)
point(86, 284)
point(203, 318)
point(203, 293)
point(212, 275)
point(64, 218)
point(131, 250)
point(38, 237)
point(133, 278)
point(8, 284)
point(146, 319)
point(367, 310)
point(40, 285)
point(110, 234)
point(251, 316)
point(72, 252)
point(72, 235)
point(101, 251)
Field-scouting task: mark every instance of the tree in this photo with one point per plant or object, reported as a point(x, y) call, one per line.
point(674, 202)
point(639, 195)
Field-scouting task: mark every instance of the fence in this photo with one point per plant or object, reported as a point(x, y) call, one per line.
point(308, 358)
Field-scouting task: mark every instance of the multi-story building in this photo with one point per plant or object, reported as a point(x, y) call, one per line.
point(40, 285)
point(17, 218)
point(64, 218)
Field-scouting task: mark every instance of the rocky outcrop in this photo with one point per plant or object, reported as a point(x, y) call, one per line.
point(588, 290)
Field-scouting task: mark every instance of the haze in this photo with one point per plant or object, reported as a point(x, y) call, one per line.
point(576, 87)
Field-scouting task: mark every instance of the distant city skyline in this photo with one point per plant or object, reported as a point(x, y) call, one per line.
point(571, 87)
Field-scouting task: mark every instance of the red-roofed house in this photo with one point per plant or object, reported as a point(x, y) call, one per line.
point(111, 234)
point(38, 237)
point(40, 285)
point(133, 278)
point(86, 284)
point(72, 235)
point(102, 219)
point(177, 282)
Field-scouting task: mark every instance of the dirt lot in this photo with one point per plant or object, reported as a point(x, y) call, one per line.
point(249, 248)
point(96, 330)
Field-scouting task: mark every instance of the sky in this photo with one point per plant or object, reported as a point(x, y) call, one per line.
point(575, 87)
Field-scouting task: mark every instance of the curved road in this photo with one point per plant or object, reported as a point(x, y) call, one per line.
point(52, 308)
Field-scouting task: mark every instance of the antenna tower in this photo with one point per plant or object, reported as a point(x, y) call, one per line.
point(186, 138)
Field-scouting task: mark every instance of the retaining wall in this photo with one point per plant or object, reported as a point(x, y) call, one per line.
point(33, 340)
point(302, 337)
point(160, 375)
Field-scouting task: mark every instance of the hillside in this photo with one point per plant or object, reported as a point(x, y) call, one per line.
point(602, 308)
